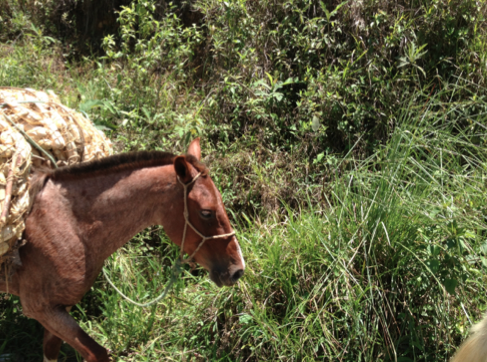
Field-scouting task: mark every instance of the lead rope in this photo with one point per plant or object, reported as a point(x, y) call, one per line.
point(176, 270)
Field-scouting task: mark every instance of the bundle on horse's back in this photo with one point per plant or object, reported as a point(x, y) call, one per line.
point(36, 129)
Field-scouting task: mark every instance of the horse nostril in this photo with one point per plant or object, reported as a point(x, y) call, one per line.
point(237, 275)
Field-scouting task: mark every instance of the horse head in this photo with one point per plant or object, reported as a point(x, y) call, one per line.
point(208, 238)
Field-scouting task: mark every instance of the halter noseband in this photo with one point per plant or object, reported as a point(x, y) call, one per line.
point(187, 222)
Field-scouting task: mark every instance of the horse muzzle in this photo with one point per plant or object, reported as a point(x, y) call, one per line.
point(228, 277)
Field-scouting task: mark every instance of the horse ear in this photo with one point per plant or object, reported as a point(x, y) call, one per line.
point(194, 149)
point(182, 169)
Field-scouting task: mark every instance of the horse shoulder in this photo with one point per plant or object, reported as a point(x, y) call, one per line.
point(54, 259)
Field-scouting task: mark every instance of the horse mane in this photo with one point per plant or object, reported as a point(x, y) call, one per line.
point(115, 163)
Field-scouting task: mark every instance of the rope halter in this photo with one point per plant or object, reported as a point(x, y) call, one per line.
point(176, 270)
point(187, 222)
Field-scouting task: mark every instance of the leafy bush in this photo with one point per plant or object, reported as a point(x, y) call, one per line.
point(347, 66)
point(327, 73)
point(279, 87)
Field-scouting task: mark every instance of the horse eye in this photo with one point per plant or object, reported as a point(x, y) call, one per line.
point(206, 214)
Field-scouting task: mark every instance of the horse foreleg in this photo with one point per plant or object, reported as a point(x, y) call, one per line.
point(52, 344)
point(59, 326)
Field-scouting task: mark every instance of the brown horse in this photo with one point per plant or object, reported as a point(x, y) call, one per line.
point(82, 214)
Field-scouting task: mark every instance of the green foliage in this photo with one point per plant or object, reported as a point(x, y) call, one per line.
point(152, 45)
point(289, 84)
point(351, 64)
point(268, 70)
point(13, 21)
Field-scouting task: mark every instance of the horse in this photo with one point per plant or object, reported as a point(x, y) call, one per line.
point(81, 214)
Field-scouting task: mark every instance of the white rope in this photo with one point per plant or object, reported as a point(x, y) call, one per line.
point(175, 273)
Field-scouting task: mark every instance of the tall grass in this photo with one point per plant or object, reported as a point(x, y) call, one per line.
point(391, 268)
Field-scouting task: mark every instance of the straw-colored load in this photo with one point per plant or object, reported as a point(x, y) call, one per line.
point(36, 129)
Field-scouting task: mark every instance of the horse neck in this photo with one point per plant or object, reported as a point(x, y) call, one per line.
point(111, 209)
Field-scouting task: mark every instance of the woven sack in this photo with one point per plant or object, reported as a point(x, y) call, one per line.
point(36, 130)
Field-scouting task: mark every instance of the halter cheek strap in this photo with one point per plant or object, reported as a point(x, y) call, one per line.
point(187, 222)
